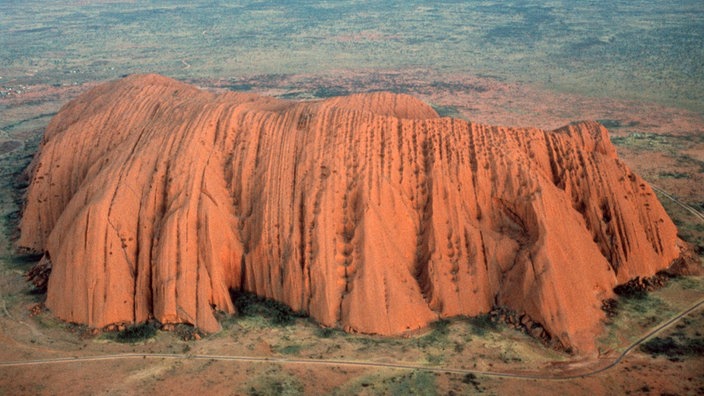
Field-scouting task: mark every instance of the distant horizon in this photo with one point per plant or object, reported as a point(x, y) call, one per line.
point(227, 232)
point(623, 49)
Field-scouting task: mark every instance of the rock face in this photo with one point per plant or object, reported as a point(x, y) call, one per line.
point(153, 198)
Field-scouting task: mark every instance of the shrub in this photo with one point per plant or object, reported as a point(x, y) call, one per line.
point(136, 332)
point(482, 323)
point(249, 304)
point(439, 332)
point(188, 332)
point(293, 349)
point(671, 348)
point(415, 383)
point(631, 289)
point(326, 332)
point(39, 274)
point(610, 306)
point(471, 379)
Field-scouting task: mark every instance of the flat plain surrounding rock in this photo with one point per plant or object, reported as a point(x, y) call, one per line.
point(154, 199)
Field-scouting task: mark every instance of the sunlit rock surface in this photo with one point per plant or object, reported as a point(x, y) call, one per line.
point(153, 198)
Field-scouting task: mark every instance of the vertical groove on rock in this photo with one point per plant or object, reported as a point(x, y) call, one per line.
point(368, 211)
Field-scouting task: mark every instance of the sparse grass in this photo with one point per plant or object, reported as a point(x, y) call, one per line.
point(275, 382)
point(688, 229)
point(326, 332)
point(435, 359)
point(82, 331)
point(226, 320)
point(639, 312)
point(413, 383)
point(647, 141)
point(642, 303)
point(509, 355)
point(689, 283)
point(437, 335)
point(670, 145)
point(48, 321)
point(692, 233)
point(481, 324)
point(291, 349)
point(471, 379)
point(375, 342)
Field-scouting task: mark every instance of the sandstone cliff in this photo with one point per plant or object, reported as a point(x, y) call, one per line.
point(153, 198)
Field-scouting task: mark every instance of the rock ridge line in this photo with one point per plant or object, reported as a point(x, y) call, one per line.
point(155, 199)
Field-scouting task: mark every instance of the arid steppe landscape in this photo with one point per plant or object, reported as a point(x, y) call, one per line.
point(635, 68)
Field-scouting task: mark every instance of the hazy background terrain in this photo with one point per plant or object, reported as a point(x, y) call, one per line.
point(633, 49)
point(636, 66)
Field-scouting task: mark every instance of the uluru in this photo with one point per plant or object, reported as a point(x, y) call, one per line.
point(154, 199)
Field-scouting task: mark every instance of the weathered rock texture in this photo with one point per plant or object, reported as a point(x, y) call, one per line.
point(153, 198)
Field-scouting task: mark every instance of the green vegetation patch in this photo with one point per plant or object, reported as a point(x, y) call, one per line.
point(292, 349)
point(376, 342)
point(481, 324)
point(329, 92)
point(437, 335)
point(136, 333)
point(188, 332)
point(239, 87)
point(635, 313)
point(642, 302)
point(692, 233)
point(645, 141)
point(614, 124)
point(674, 175)
point(688, 228)
point(674, 348)
point(327, 332)
point(447, 111)
point(671, 145)
point(689, 283)
point(414, 383)
point(249, 304)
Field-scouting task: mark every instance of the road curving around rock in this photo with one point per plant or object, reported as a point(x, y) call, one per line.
point(601, 365)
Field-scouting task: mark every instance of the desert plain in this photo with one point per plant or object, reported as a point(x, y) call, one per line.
point(645, 92)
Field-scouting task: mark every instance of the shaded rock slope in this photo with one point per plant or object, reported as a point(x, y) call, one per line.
point(154, 199)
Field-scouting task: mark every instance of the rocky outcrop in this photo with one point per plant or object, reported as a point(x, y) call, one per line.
point(153, 198)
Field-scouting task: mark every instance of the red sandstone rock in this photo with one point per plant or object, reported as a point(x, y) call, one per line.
point(154, 199)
